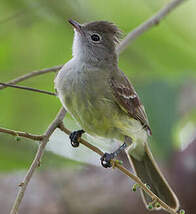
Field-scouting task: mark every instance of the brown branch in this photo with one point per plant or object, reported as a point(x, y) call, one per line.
point(123, 170)
point(22, 134)
point(27, 88)
point(153, 21)
point(146, 189)
point(37, 159)
point(84, 142)
point(58, 123)
point(33, 74)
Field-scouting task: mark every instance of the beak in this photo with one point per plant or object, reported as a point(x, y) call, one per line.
point(75, 24)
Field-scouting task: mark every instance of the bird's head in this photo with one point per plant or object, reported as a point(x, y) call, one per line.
point(95, 40)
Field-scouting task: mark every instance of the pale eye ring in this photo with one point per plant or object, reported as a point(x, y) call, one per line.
point(95, 37)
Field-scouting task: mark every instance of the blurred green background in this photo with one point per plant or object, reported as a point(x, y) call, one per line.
point(161, 64)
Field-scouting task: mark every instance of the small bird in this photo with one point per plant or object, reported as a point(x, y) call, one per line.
point(103, 101)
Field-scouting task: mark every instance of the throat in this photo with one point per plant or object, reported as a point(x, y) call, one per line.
point(97, 60)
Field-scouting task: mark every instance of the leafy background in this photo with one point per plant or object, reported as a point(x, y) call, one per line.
point(161, 64)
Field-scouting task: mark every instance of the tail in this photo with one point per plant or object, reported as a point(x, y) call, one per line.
point(148, 171)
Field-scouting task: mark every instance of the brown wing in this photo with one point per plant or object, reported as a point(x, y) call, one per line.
point(128, 100)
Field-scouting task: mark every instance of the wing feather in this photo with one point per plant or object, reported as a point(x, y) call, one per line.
point(128, 100)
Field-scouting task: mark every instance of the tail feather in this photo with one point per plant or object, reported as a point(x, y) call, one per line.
point(148, 171)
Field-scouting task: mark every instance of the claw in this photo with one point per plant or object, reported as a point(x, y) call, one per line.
point(75, 137)
point(106, 160)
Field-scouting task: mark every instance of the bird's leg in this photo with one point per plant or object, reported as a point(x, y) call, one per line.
point(106, 158)
point(75, 137)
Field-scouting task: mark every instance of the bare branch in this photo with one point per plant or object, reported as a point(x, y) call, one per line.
point(153, 21)
point(85, 143)
point(27, 88)
point(21, 134)
point(123, 170)
point(146, 189)
point(33, 74)
point(37, 159)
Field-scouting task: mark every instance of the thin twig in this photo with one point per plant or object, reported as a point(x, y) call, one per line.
point(84, 142)
point(22, 134)
point(33, 74)
point(123, 170)
point(153, 21)
point(27, 88)
point(146, 189)
point(37, 159)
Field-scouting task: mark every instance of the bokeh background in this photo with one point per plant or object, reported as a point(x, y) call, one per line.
point(162, 66)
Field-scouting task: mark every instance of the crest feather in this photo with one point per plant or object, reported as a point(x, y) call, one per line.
point(105, 27)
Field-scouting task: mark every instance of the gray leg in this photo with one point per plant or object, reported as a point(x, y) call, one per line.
point(119, 150)
point(106, 158)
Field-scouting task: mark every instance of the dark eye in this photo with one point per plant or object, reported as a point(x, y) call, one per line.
point(95, 37)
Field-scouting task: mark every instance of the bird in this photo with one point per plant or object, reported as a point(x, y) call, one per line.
point(99, 96)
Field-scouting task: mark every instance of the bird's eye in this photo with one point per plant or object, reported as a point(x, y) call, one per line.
point(95, 37)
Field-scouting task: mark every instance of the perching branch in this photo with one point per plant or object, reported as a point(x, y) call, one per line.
point(84, 142)
point(37, 159)
point(57, 123)
point(123, 170)
point(59, 118)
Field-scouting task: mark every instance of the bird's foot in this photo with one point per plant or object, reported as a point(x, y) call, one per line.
point(106, 160)
point(75, 137)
